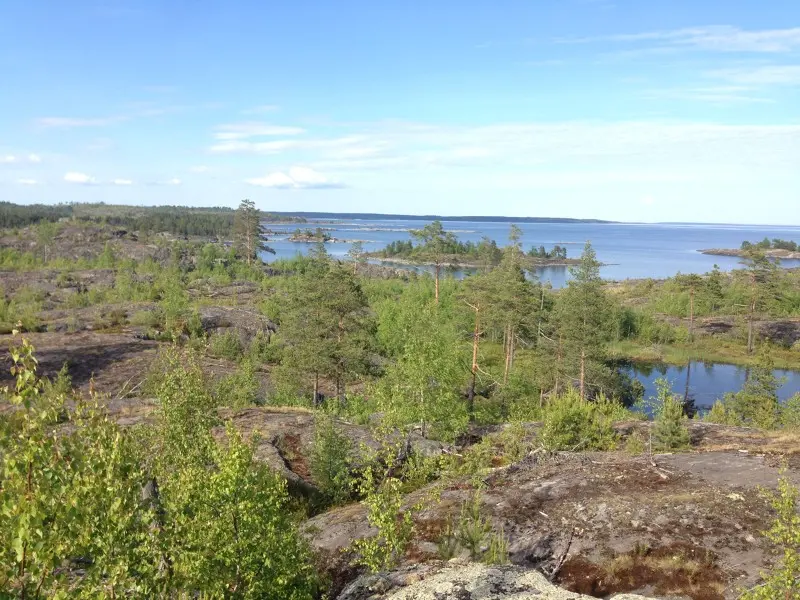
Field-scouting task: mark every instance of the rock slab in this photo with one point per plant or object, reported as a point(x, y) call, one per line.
point(456, 580)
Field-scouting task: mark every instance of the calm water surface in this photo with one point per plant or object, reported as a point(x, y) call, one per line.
point(706, 381)
point(629, 250)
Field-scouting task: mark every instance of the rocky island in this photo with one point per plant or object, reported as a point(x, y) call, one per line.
point(771, 248)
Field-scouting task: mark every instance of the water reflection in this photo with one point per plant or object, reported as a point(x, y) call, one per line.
point(706, 382)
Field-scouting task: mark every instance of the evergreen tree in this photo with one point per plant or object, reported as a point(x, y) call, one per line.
point(250, 235)
point(435, 244)
point(761, 279)
point(357, 255)
point(583, 318)
point(692, 283)
point(713, 288)
point(326, 325)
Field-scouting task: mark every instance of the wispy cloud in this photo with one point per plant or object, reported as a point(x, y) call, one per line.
point(13, 159)
point(296, 178)
point(714, 38)
point(79, 178)
point(122, 182)
point(173, 181)
point(240, 131)
point(75, 122)
point(278, 146)
point(722, 94)
point(199, 169)
point(24, 181)
point(760, 75)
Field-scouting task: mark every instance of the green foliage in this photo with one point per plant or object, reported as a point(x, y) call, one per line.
point(571, 423)
point(249, 232)
point(229, 530)
point(239, 389)
point(420, 387)
point(756, 404)
point(326, 327)
point(473, 532)
point(784, 580)
point(67, 496)
point(669, 427)
point(384, 500)
point(790, 413)
point(331, 460)
point(226, 345)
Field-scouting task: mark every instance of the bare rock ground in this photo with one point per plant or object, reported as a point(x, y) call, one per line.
point(461, 581)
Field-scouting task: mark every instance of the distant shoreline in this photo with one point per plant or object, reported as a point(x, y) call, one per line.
point(528, 262)
point(474, 218)
point(770, 253)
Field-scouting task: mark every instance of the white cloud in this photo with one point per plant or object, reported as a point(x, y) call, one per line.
point(714, 38)
point(11, 159)
point(81, 178)
point(173, 181)
point(648, 201)
point(199, 169)
point(241, 131)
point(122, 182)
point(295, 178)
point(719, 94)
point(24, 181)
point(761, 75)
point(70, 123)
point(278, 146)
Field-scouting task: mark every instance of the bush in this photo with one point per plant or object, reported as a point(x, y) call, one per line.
point(239, 389)
point(669, 427)
point(784, 580)
point(226, 345)
point(572, 423)
point(790, 413)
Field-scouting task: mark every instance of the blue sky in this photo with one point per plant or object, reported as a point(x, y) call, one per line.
point(679, 110)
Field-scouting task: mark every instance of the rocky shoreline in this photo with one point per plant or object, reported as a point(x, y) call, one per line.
point(451, 264)
point(771, 253)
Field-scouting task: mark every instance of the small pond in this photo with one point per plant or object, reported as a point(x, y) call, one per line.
point(706, 382)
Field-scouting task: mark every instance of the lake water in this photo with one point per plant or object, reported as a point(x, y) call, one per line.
point(706, 382)
point(629, 250)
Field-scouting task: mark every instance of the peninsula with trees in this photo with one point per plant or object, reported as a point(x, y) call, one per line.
point(771, 248)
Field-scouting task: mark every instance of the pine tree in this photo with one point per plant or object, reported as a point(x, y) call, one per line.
point(357, 255)
point(583, 318)
point(326, 325)
point(250, 235)
point(760, 275)
point(692, 283)
point(435, 243)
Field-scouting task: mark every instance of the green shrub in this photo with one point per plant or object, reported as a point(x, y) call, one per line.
point(669, 426)
point(784, 580)
point(790, 413)
point(226, 345)
point(331, 459)
point(572, 423)
point(239, 389)
point(395, 526)
point(148, 318)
